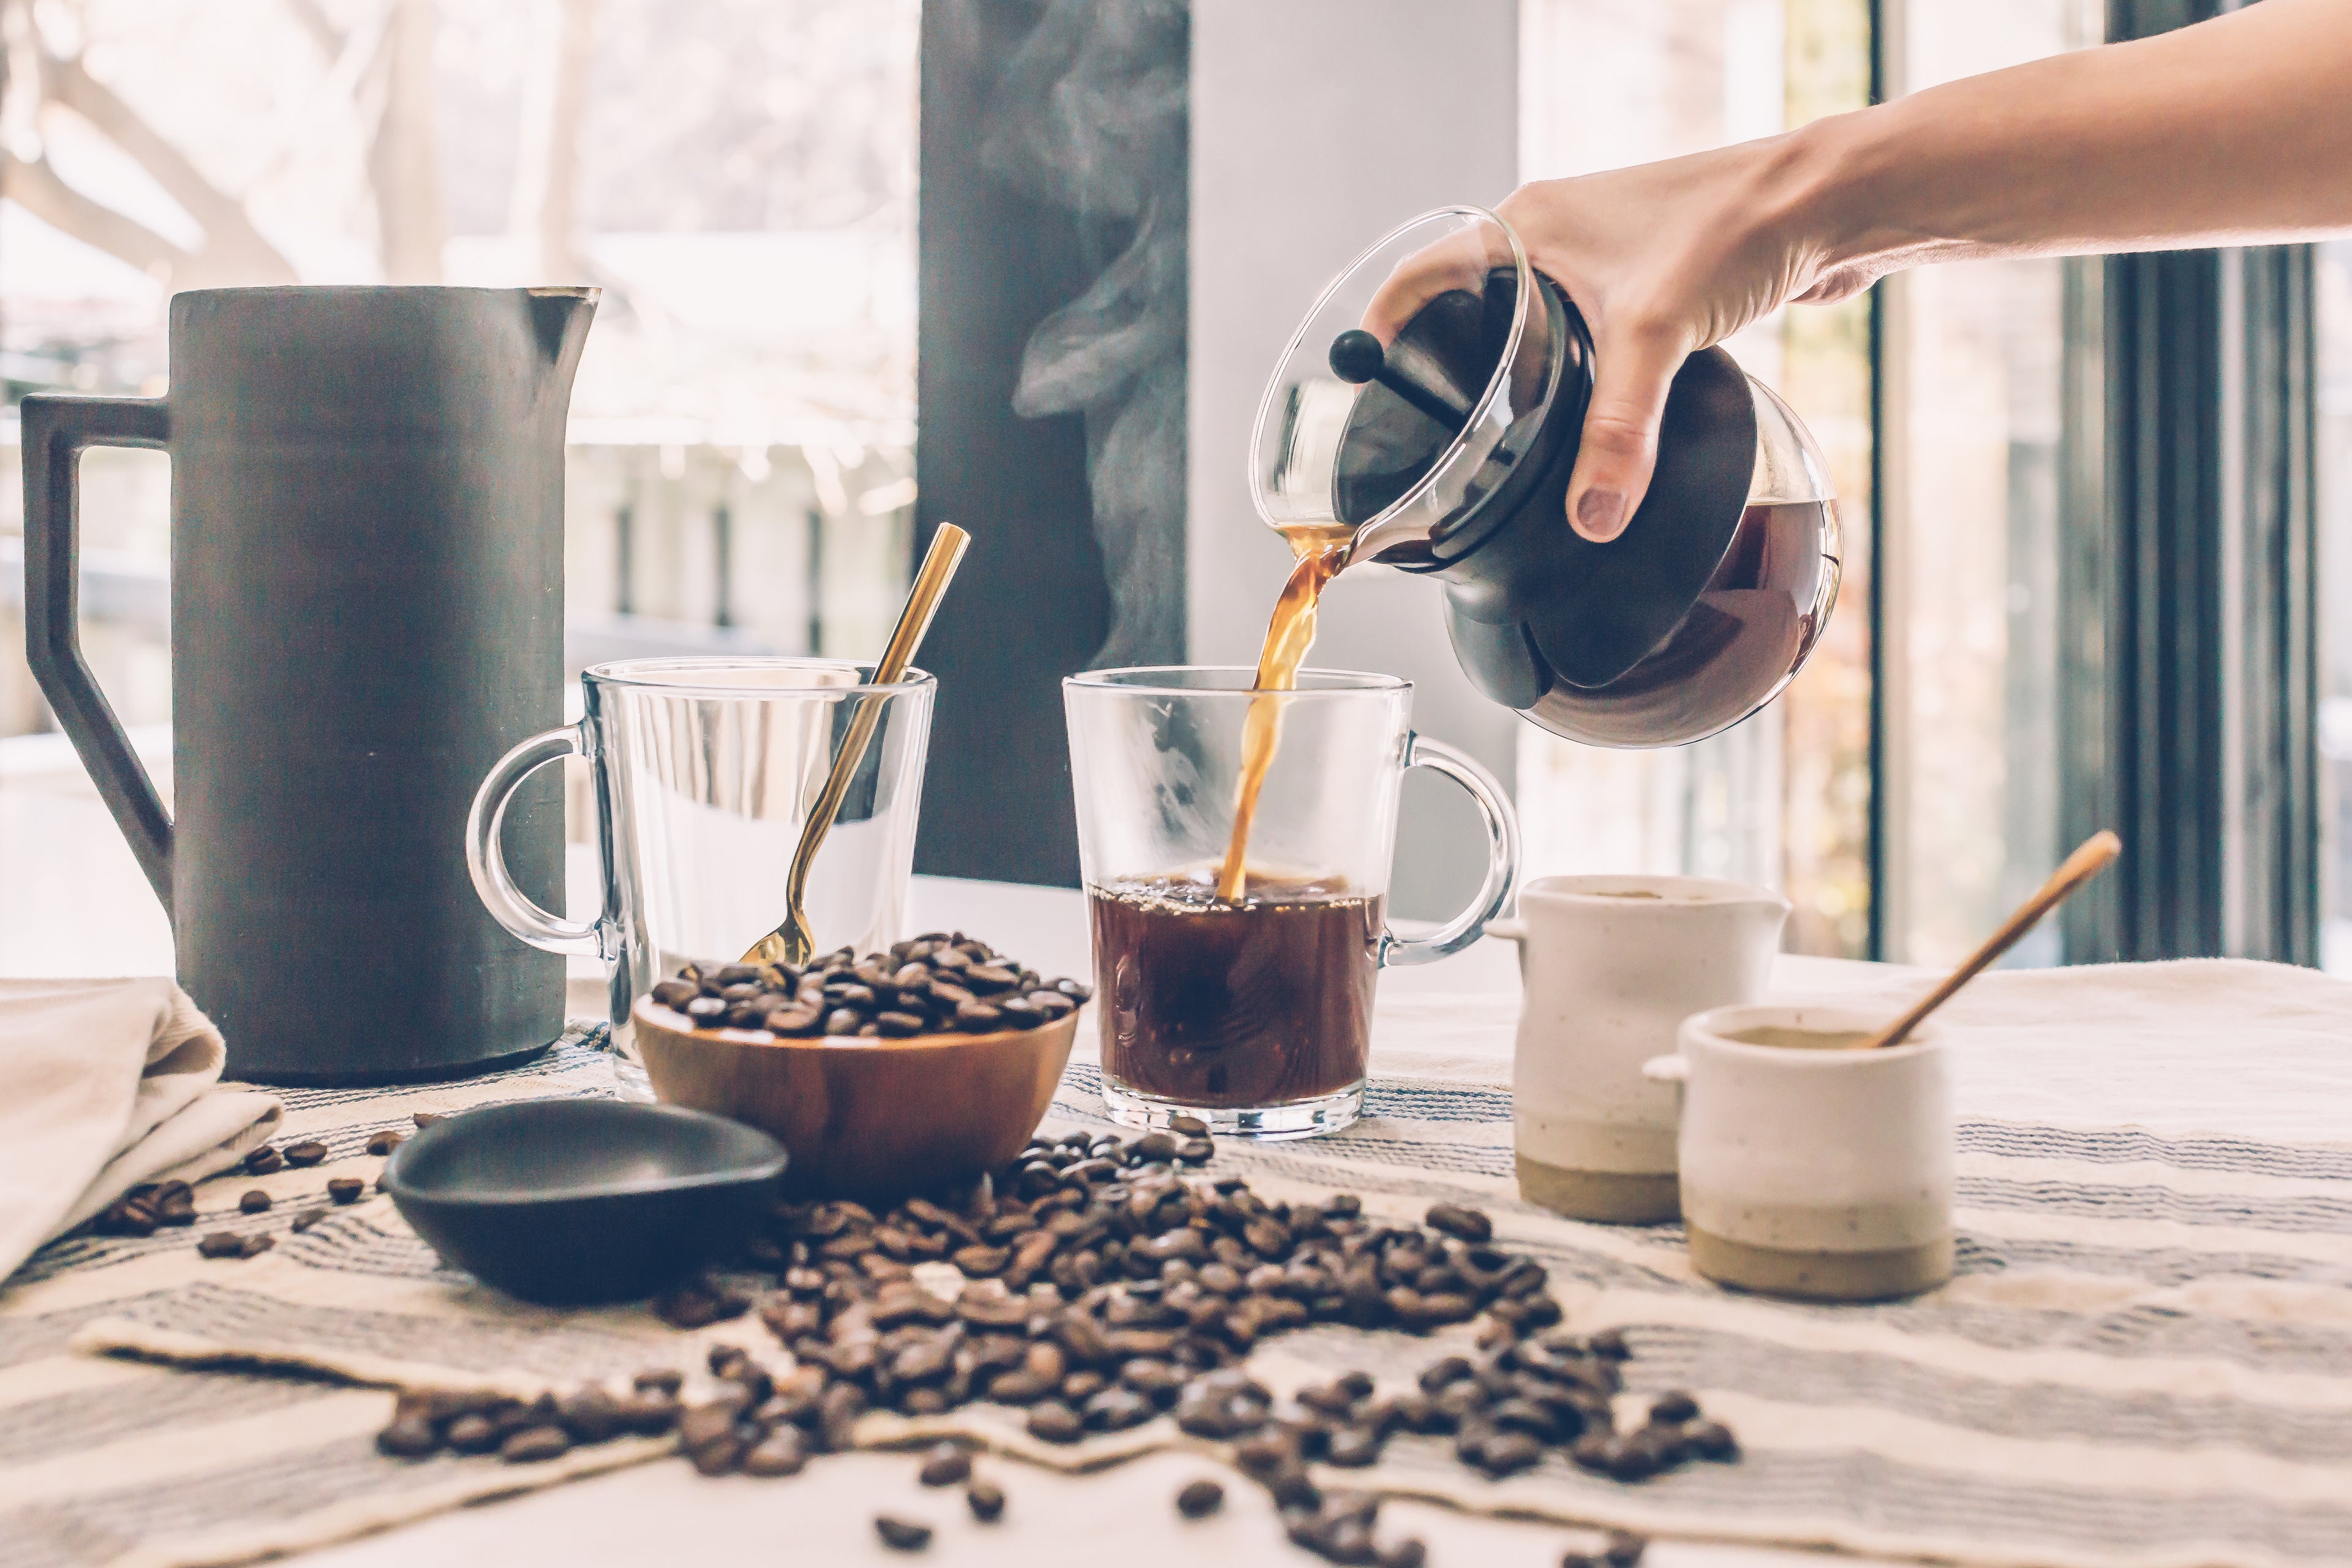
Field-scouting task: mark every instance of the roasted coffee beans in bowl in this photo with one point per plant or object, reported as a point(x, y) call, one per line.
point(884, 1075)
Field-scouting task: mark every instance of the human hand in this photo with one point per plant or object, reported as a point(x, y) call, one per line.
point(1662, 260)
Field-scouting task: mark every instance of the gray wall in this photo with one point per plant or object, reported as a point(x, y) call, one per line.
point(1317, 125)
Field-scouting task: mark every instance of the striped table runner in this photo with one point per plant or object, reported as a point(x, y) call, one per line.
point(2146, 1361)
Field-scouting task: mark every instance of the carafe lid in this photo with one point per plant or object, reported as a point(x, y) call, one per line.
point(1415, 389)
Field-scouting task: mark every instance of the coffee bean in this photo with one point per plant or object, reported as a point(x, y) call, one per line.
point(1608, 1344)
point(1505, 1453)
point(591, 1415)
point(945, 1465)
point(1154, 1148)
point(1455, 1220)
point(1632, 1460)
point(782, 1452)
point(310, 1151)
point(425, 1118)
point(1673, 1408)
point(659, 1380)
point(986, 1500)
point(1291, 1486)
point(254, 1201)
point(222, 1244)
point(472, 1434)
point(535, 1444)
point(1354, 1448)
point(1117, 1409)
point(1712, 1440)
point(408, 1438)
point(264, 1162)
point(1624, 1549)
point(345, 1189)
point(1054, 1422)
point(1200, 1499)
point(901, 1535)
point(1408, 1552)
point(383, 1141)
point(981, 1261)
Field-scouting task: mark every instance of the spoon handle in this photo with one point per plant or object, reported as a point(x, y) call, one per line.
point(931, 585)
point(2088, 861)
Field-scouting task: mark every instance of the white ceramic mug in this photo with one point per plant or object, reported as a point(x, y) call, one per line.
point(1824, 1173)
point(1612, 966)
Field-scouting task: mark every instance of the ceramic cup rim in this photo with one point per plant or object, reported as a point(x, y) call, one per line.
point(1708, 1031)
point(635, 673)
point(1695, 892)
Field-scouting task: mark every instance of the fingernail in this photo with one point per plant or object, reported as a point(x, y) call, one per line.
point(1600, 514)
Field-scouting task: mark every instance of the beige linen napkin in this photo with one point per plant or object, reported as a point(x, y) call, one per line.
point(105, 1084)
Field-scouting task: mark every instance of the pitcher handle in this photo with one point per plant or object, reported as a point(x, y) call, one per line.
point(1502, 855)
point(56, 429)
point(485, 859)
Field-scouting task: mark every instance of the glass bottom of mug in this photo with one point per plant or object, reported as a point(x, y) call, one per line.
point(1267, 1123)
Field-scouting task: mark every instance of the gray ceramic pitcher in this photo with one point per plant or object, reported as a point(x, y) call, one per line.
point(367, 611)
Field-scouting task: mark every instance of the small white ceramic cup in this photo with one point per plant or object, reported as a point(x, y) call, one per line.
point(1820, 1174)
point(1611, 965)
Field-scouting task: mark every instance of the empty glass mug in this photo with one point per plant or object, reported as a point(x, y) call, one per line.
point(1250, 1007)
point(705, 770)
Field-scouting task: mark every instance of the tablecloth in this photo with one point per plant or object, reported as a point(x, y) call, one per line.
point(2146, 1359)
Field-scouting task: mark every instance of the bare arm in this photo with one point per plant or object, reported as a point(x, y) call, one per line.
point(2237, 131)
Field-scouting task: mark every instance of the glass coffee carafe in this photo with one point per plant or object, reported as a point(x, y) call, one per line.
point(1430, 408)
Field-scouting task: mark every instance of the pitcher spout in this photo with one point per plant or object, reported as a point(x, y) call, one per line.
point(559, 316)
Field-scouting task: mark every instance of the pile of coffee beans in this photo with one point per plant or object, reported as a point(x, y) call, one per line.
point(529, 1431)
point(944, 983)
point(147, 1208)
point(1101, 1284)
point(152, 1205)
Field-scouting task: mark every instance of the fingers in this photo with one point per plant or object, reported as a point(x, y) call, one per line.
point(1460, 261)
point(1632, 367)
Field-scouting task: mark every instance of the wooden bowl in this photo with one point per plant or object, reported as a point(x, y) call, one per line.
point(864, 1119)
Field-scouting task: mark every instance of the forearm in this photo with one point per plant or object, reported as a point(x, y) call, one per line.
point(2237, 131)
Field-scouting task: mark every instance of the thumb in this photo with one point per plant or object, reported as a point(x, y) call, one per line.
point(1631, 369)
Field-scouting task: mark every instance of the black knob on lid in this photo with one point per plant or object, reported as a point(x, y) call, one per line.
point(1356, 357)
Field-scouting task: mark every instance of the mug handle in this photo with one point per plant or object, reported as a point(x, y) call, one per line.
point(1502, 857)
point(485, 860)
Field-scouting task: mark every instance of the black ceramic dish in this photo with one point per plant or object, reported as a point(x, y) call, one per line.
point(573, 1200)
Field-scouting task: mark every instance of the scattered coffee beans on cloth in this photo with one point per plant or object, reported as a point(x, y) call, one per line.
point(944, 983)
point(1096, 1284)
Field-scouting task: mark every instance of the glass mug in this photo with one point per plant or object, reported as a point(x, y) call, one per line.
point(1255, 1014)
point(705, 770)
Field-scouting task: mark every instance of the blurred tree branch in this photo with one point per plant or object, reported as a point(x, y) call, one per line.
point(404, 157)
point(232, 247)
point(544, 210)
point(34, 186)
point(233, 251)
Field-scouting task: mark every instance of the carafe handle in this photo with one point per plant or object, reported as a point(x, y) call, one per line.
point(486, 862)
point(1502, 857)
point(56, 429)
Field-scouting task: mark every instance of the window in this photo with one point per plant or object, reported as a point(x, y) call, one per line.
point(1784, 798)
point(2334, 319)
point(737, 174)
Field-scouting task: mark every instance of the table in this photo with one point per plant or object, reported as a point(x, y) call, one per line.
point(664, 1513)
point(2205, 1160)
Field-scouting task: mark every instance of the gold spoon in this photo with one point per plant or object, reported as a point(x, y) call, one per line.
point(791, 941)
point(2097, 852)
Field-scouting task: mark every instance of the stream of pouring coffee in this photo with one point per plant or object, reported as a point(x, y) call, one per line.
point(1288, 634)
